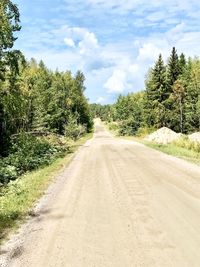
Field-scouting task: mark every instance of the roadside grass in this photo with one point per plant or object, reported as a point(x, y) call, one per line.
point(182, 148)
point(177, 151)
point(19, 196)
point(171, 149)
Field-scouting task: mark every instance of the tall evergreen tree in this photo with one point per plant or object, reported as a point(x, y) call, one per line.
point(157, 94)
point(173, 69)
point(182, 63)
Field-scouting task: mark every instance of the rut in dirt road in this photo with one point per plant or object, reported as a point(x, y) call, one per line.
point(118, 204)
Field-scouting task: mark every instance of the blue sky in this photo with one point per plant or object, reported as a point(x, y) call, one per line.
point(113, 42)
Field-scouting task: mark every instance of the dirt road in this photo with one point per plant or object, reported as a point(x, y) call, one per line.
point(118, 204)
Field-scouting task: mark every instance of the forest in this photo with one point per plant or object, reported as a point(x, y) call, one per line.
point(171, 98)
point(38, 106)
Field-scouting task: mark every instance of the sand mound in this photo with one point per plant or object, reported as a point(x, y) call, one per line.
point(163, 136)
point(195, 137)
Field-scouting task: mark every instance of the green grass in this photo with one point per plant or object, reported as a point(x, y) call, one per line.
point(18, 197)
point(177, 151)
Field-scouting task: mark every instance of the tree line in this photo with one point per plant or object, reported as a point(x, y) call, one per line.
point(171, 98)
point(32, 97)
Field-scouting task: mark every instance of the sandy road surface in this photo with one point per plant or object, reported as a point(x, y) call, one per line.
point(118, 204)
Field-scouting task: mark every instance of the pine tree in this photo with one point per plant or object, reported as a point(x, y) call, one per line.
point(182, 63)
point(157, 94)
point(173, 70)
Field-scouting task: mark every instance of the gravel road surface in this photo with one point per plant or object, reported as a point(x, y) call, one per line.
point(118, 204)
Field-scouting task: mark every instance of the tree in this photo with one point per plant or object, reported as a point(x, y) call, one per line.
point(129, 113)
point(182, 64)
point(173, 69)
point(9, 59)
point(156, 94)
point(198, 111)
point(193, 93)
point(179, 98)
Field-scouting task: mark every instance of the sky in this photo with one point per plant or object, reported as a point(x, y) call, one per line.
point(113, 42)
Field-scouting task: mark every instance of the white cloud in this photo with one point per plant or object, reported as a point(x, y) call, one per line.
point(86, 40)
point(100, 100)
point(148, 52)
point(69, 42)
point(88, 44)
point(117, 82)
point(116, 61)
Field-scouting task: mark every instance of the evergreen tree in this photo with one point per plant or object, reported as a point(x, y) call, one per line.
point(173, 69)
point(157, 94)
point(179, 99)
point(182, 63)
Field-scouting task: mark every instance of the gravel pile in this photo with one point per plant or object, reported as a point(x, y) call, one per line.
point(163, 136)
point(195, 137)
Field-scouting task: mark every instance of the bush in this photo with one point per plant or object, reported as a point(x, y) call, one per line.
point(74, 130)
point(28, 153)
point(128, 127)
point(113, 126)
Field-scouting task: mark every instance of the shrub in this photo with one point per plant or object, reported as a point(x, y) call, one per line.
point(74, 130)
point(28, 153)
point(113, 126)
point(128, 127)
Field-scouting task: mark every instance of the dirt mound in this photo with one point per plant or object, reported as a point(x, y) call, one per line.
point(163, 136)
point(195, 137)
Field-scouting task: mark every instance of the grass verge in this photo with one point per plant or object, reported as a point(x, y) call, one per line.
point(170, 149)
point(174, 150)
point(182, 149)
point(19, 196)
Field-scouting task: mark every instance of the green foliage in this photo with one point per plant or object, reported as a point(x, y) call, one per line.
point(42, 100)
point(73, 129)
point(128, 127)
point(9, 67)
point(28, 153)
point(129, 112)
point(171, 98)
point(176, 105)
point(33, 98)
point(18, 197)
point(104, 112)
point(113, 127)
point(173, 69)
point(156, 95)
